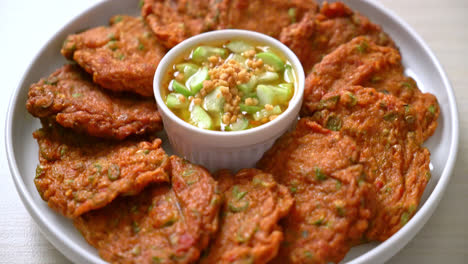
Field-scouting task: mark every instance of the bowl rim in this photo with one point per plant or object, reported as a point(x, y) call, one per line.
point(222, 35)
point(75, 253)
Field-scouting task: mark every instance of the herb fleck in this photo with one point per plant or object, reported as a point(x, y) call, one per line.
point(292, 14)
point(363, 47)
point(135, 227)
point(319, 175)
point(334, 123)
point(113, 173)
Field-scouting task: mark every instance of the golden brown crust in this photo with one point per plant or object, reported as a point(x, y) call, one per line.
point(121, 57)
point(390, 139)
point(253, 205)
point(69, 97)
point(174, 21)
point(258, 16)
point(333, 202)
point(77, 174)
point(362, 62)
point(163, 224)
point(317, 35)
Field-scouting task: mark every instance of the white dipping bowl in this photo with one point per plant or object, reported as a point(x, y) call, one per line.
point(222, 149)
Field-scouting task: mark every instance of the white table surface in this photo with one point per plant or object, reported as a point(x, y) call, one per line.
point(26, 25)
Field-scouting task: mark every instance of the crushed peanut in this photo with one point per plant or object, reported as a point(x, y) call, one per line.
point(227, 76)
point(243, 89)
point(180, 77)
point(197, 101)
point(249, 53)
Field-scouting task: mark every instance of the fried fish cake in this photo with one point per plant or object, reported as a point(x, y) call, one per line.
point(390, 137)
point(70, 98)
point(252, 207)
point(333, 201)
point(163, 224)
point(362, 62)
point(174, 21)
point(77, 174)
point(121, 57)
point(317, 35)
point(266, 17)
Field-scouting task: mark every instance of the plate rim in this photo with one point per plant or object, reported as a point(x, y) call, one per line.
point(380, 253)
point(61, 242)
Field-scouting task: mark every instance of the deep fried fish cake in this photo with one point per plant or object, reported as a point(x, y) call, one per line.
point(173, 21)
point(70, 98)
point(362, 62)
point(121, 57)
point(333, 202)
point(317, 35)
point(390, 137)
point(163, 224)
point(266, 17)
point(77, 174)
point(249, 231)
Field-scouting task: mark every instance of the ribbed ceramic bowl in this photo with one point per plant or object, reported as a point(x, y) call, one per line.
point(226, 149)
point(421, 64)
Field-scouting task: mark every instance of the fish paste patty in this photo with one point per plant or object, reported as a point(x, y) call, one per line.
point(389, 137)
point(333, 201)
point(317, 35)
point(77, 173)
point(249, 231)
point(120, 57)
point(362, 62)
point(166, 223)
point(69, 97)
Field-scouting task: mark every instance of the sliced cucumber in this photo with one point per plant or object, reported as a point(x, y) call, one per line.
point(274, 95)
point(249, 95)
point(174, 101)
point(251, 109)
point(196, 81)
point(202, 53)
point(265, 113)
point(267, 77)
point(265, 94)
point(180, 88)
point(271, 59)
point(188, 69)
point(248, 87)
point(285, 92)
point(214, 101)
point(239, 46)
point(240, 124)
point(200, 118)
point(289, 74)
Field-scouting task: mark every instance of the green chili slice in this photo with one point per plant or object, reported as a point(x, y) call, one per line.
point(334, 123)
point(237, 209)
point(237, 194)
point(431, 109)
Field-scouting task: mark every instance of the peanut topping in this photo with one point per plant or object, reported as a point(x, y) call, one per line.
point(268, 107)
point(227, 76)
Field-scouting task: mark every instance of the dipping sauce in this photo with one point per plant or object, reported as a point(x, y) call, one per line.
point(229, 86)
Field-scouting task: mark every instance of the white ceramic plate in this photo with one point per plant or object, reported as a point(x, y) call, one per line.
point(420, 62)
